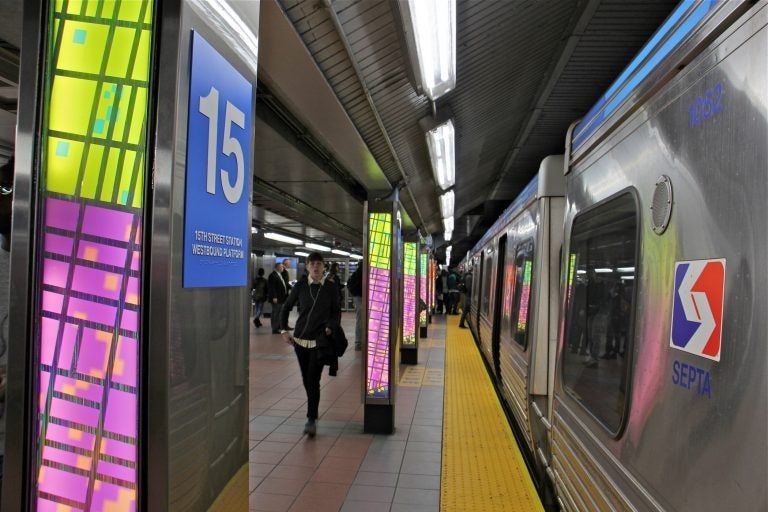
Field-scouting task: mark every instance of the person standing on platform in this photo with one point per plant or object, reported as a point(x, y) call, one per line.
point(319, 311)
point(285, 274)
point(277, 291)
point(355, 287)
point(466, 289)
point(453, 293)
point(259, 295)
point(287, 277)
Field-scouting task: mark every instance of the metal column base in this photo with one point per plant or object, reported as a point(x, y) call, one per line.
point(422, 332)
point(379, 419)
point(409, 356)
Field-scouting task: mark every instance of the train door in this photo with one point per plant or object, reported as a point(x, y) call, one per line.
point(501, 257)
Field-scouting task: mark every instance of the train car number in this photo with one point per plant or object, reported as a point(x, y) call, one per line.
point(705, 106)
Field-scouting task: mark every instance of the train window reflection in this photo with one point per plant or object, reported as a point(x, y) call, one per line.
point(523, 275)
point(485, 293)
point(600, 303)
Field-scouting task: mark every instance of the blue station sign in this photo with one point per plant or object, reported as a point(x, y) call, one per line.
point(218, 177)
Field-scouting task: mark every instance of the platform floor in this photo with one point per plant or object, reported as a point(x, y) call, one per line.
point(416, 468)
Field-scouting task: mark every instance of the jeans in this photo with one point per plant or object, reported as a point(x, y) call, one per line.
point(311, 372)
point(257, 308)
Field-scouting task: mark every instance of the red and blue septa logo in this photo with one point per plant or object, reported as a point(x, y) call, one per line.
point(697, 313)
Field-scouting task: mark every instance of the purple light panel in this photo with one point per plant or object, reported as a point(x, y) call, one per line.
point(409, 295)
point(379, 285)
point(88, 357)
point(423, 294)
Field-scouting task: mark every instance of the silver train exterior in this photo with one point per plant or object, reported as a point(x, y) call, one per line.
point(625, 323)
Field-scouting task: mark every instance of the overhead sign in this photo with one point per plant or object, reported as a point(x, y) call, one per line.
point(697, 313)
point(216, 225)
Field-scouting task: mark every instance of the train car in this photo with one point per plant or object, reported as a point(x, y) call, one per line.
point(516, 267)
point(656, 398)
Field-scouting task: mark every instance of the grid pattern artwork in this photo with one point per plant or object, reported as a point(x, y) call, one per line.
point(409, 294)
point(423, 294)
point(432, 277)
point(87, 329)
point(379, 284)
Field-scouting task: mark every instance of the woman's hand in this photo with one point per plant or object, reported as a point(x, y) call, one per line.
point(287, 338)
point(328, 331)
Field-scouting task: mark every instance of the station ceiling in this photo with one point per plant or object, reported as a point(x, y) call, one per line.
point(526, 69)
point(338, 112)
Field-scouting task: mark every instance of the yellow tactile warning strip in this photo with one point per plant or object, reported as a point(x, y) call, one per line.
point(482, 468)
point(234, 496)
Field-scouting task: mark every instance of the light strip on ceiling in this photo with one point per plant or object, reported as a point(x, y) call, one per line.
point(317, 247)
point(283, 238)
point(448, 223)
point(440, 141)
point(434, 31)
point(446, 204)
point(355, 256)
point(301, 253)
point(340, 252)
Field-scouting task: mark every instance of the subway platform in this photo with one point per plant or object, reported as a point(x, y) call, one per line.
point(452, 449)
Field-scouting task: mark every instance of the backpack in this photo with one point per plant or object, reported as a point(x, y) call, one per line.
point(355, 282)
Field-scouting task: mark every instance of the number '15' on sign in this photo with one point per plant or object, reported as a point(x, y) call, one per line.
point(209, 107)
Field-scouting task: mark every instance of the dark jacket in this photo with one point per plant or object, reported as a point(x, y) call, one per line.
point(259, 289)
point(331, 348)
point(312, 320)
point(287, 279)
point(276, 288)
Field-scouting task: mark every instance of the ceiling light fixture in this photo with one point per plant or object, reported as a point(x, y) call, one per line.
point(301, 253)
point(433, 26)
point(355, 256)
point(283, 238)
point(317, 247)
point(448, 223)
point(440, 141)
point(340, 252)
point(446, 204)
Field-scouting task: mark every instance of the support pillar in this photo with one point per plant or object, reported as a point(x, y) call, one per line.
point(382, 302)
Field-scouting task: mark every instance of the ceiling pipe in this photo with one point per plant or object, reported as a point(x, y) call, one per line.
point(343, 37)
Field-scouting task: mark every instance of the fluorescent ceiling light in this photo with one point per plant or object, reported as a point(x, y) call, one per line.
point(627, 278)
point(581, 272)
point(626, 269)
point(434, 31)
point(603, 270)
point(448, 223)
point(301, 253)
point(283, 238)
point(317, 247)
point(355, 256)
point(340, 252)
point(447, 235)
point(446, 204)
point(254, 230)
point(441, 152)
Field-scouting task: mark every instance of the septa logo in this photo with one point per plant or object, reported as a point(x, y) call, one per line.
point(697, 312)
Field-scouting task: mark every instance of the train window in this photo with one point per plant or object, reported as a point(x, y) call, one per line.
point(485, 291)
point(598, 334)
point(523, 274)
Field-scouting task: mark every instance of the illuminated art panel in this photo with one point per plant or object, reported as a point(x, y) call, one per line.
point(409, 295)
point(379, 283)
point(432, 287)
point(87, 329)
point(423, 291)
point(522, 318)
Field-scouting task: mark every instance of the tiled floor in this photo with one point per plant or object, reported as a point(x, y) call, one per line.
point(343, 468)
